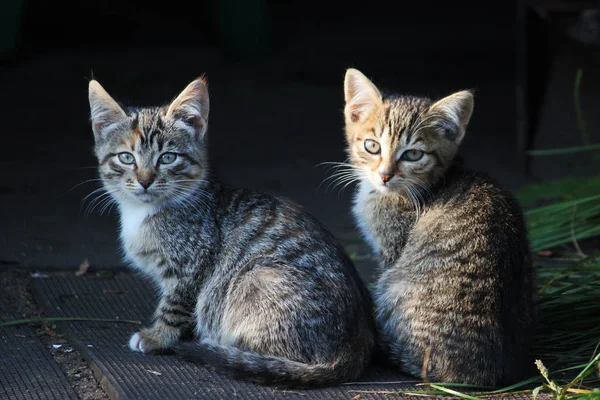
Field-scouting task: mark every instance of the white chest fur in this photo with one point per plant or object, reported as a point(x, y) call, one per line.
point(135, 236)
point(363, 213)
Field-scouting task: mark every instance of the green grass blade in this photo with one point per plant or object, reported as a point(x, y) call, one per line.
point(454, 392)
point(587, 368)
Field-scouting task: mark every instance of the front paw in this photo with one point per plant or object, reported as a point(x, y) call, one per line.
point(150, 341)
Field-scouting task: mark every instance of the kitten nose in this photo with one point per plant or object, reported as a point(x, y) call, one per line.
point(146, 182)
point(385, 177)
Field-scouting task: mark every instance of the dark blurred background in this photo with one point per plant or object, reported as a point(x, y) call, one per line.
point(275, 73)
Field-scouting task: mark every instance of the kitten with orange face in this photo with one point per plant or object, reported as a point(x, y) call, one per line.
point(454, 298)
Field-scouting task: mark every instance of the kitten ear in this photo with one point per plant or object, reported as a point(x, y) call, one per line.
point(457, 108)
point(105, 112)
point(362, 96)
point(192, 105)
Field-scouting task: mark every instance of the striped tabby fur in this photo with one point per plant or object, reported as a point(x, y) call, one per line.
point(268, 294)
point(454, 298)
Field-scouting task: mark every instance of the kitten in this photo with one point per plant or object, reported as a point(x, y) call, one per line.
point(267, 291)
point(454, 299)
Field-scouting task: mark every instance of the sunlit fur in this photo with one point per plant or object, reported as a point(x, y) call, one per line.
point(454, 297)
point(398, 124)
point(264, 289)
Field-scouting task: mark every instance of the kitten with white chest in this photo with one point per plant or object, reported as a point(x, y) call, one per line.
point(265, 290)
point(455, 298)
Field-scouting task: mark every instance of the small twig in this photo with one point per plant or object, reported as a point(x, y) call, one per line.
point(377, 392)
point(285, 391)
point(60, 319)
point(378, 383)
point(591, 359)
point(594, 352)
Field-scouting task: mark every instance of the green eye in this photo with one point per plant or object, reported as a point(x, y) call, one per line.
point(372, 146)
point(126, 158)
point(168, 158)
point(412, 155)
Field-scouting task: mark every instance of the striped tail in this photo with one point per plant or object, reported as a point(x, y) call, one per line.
point(270, 370)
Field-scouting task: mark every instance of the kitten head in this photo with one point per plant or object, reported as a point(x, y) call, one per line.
point(151, 155)
point(399, 143)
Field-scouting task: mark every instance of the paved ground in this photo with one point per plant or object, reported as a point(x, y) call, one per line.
point(38, 362)
point(119, 303)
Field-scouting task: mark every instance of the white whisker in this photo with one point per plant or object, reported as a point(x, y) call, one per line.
point(340, 180)
point(344, 175)
point(415, 201)
point(100, 200)
point(81, 183)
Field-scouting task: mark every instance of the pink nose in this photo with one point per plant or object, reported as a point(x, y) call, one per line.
point(386, 177)
point(145, 182)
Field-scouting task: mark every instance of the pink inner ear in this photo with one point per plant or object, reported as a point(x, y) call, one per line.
point(198, 123)
point(355, 115)
point(356, 112)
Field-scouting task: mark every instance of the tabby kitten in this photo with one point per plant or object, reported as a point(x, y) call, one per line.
point(267, 291)
point(454, 298)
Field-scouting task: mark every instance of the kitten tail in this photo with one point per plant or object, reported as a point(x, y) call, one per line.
point(266, 369)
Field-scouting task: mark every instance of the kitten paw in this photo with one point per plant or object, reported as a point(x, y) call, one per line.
point(150, 341)
point(135, 343)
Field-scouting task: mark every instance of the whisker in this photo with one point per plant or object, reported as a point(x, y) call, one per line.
point(409, 191)
point(108, 203)
point(190, 190)
point(345, 180)
point(79, 184)
point(345, 162)
point(344, 174)
point(424, 189)
point(188, 180)
point(348, 183)
point(94, 203)
point(93, 192)
point(418, 199)
point(80, 168)
point(338, 173)
point(337, 165)
point(181, 199)
point(183, 195)
point(340, 180)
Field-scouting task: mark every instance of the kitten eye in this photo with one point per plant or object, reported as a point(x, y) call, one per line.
point(372, 146)
point(412, 155)
point(126, 158)
point(167, 158)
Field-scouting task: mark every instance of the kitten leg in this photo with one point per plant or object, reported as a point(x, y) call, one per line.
point(173, 318)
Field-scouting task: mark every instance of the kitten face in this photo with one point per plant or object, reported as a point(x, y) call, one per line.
point(151, 155)
point(402, 144)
